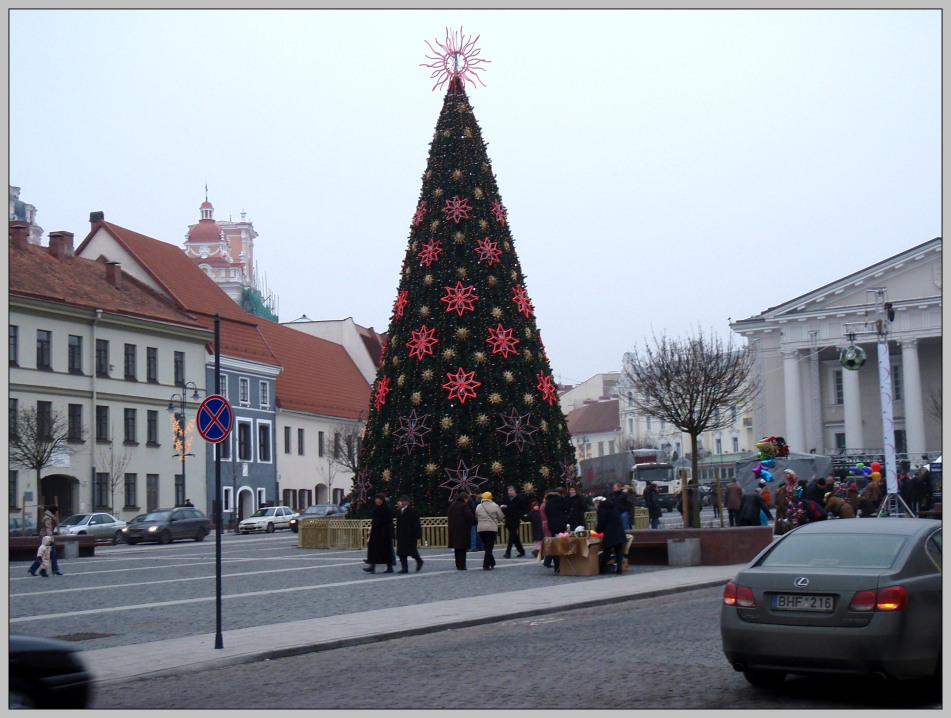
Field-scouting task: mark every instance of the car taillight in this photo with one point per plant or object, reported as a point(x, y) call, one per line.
point(735, 595)
point(892, 598)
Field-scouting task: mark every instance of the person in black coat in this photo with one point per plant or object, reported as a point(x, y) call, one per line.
point(652, 504)
point(461, 521)
point(380, 543)
point(556, 514)
point(750, 506)
point(609, 524)
point(514, 511)
point(577, 505)
point(409, 530)
point(816, 490)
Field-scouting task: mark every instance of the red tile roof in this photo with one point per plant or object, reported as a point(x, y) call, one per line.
point(80, 282)
point(317, 376)
point(597, 418)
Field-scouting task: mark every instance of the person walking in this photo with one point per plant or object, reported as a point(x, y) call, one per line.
point(538, 531)
point(514, 510)
point(556, 515)
point(43, 556)
point(489, 518)
point(733, 496)
point(614, 537)
point(409, 530)
point(652, 504)
point(380, 541)
point(461, 519)
point(48, 524)
point(750, 506)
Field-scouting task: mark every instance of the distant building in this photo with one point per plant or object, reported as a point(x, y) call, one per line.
point(224, 250)
point(363, 344)
point(20, 211)
point(594, 427)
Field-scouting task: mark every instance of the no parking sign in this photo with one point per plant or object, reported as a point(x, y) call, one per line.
point(215, 419)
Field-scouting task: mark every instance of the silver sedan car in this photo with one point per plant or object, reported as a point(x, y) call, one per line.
point(102, 526)
point(839, 597)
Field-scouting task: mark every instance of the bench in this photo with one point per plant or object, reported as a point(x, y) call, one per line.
point(718, 546)
point(23, 548)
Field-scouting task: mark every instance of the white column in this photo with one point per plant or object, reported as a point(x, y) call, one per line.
point(912, 399)
point(795, 435)
point(852, 409)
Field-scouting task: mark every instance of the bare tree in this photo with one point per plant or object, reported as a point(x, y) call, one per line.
point(114, 466)
point(342, 456)
point(697, 384)
point(933, 407)
point(37, 439)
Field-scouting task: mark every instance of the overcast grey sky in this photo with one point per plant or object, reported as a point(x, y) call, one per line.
point(663, 170)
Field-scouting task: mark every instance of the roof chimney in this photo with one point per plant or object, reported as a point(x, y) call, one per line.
point(19, 235)
point(61, 244)
point(97, 217)
point(114, 274)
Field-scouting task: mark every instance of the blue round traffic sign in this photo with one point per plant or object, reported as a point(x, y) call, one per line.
point(215, 419)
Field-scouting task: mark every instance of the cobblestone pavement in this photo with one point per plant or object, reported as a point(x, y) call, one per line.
point(658, 653)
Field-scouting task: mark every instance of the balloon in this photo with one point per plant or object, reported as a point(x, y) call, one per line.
point(860, 466)
point(769, 463)
point(876, 475)
point(876, 466)
point(757, 469)
point(765, 475)
point(867, 471)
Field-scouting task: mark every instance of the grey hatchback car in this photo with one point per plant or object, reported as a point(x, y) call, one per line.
point(167, 525)
point(839, 597)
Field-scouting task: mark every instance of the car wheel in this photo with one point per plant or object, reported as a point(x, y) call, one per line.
point(201, 533)
point(764, 679)
point(165, 537)
point(270, 528)
point(117, 537)
point(23, 694)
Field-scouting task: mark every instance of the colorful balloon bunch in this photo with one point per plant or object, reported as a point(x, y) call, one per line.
point(872, 471)
point(770, 448)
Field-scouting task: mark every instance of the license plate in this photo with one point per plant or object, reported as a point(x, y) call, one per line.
point(802, 602)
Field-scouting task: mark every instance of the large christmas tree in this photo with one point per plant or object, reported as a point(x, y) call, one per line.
point(464, 399)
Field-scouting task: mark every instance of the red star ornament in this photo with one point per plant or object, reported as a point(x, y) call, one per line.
point(457, 209)
point(382, 389)
point(522, 302)
point(498, 211)
point(547, 387)
point(422, 342)
point(502, 341)
point(459, 298)
point(430, 252)
point(461, 385)
point(400, 304)
point(488, 251)
point(420, 214)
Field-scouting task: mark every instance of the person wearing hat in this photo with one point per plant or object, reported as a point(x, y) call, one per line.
point(489, 518)
point(409, 530)
point(380, 540)
point(764, 492)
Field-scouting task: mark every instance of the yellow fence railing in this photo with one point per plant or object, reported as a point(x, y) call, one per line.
point(332, 533)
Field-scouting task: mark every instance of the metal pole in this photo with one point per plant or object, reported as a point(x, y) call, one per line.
point(182, 428)
point(219, 641)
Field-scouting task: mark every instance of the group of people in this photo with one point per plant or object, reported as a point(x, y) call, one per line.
point(409, 531)
point(46, 559)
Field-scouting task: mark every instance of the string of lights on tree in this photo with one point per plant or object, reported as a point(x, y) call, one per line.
point(464, 399)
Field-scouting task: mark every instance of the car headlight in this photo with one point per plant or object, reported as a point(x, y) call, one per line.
point(153, 529)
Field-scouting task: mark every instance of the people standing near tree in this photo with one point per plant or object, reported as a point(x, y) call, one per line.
point(652, 504)
point(489, 518)
point(461, 519)
point(750, 506)
point(380, 541)
point(48, 524)
point(764, 492)
point(577, 506)
point(475, 542)
point(785, 498)
point(816, 490)
point(614, 538)
point(619, 500)
point(906, 489)
point(733, 496)
point(538, 530)
point(409, 530)
point(514, 510)
point(556, 515)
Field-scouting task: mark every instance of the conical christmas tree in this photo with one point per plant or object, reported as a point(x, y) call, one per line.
point(464, 399)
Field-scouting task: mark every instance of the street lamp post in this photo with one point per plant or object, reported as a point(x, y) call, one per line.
point(181, 424)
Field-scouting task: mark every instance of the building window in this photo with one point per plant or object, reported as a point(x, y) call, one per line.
point(44, 349)
point(265, 395)
point(12, 418)
point(600, 448)
point(75, 354)
point(151, 492)
point(287, 439)
point(736, 444)
point(223, 385)
point(151, 365)
point(12, 480)
point(102, 423)
point(44, 419)
point(320, 443)
point(337, 451)
point(179, 364)
point(225, 444)
point(901, 445)
point(131, 502)
point(179, 489)
point(130, 362)
point(14, 345)
point(898, 385)
point(101, 491)
point(630, 425)
point(264, 441)
point(244, 441)
point(840, 441)
point(290, 498)
point(262, 498)
point(74, 422)
point(300, 442)
point(227, 498)
point(151, 427)
point(648, 424)
point(244, 391)
point(128, 422)
point(718, 446)
point(837, 391)
point(102, 357)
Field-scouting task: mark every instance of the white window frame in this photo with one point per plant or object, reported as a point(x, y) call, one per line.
point(257, 434)
point(262, 497)
point(252, 440)
point(223, 384)
point(244, 391)
point(264, 395)
point(227, 498)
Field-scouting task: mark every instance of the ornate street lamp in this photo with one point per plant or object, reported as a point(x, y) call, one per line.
point(181, 425)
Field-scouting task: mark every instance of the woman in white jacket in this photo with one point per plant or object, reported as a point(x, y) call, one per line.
point(488, 519)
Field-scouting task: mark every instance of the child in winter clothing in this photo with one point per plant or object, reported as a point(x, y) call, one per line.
point(43, 557)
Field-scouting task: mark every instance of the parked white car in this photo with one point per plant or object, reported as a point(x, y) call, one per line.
point(267, 520)
point(102, 526)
